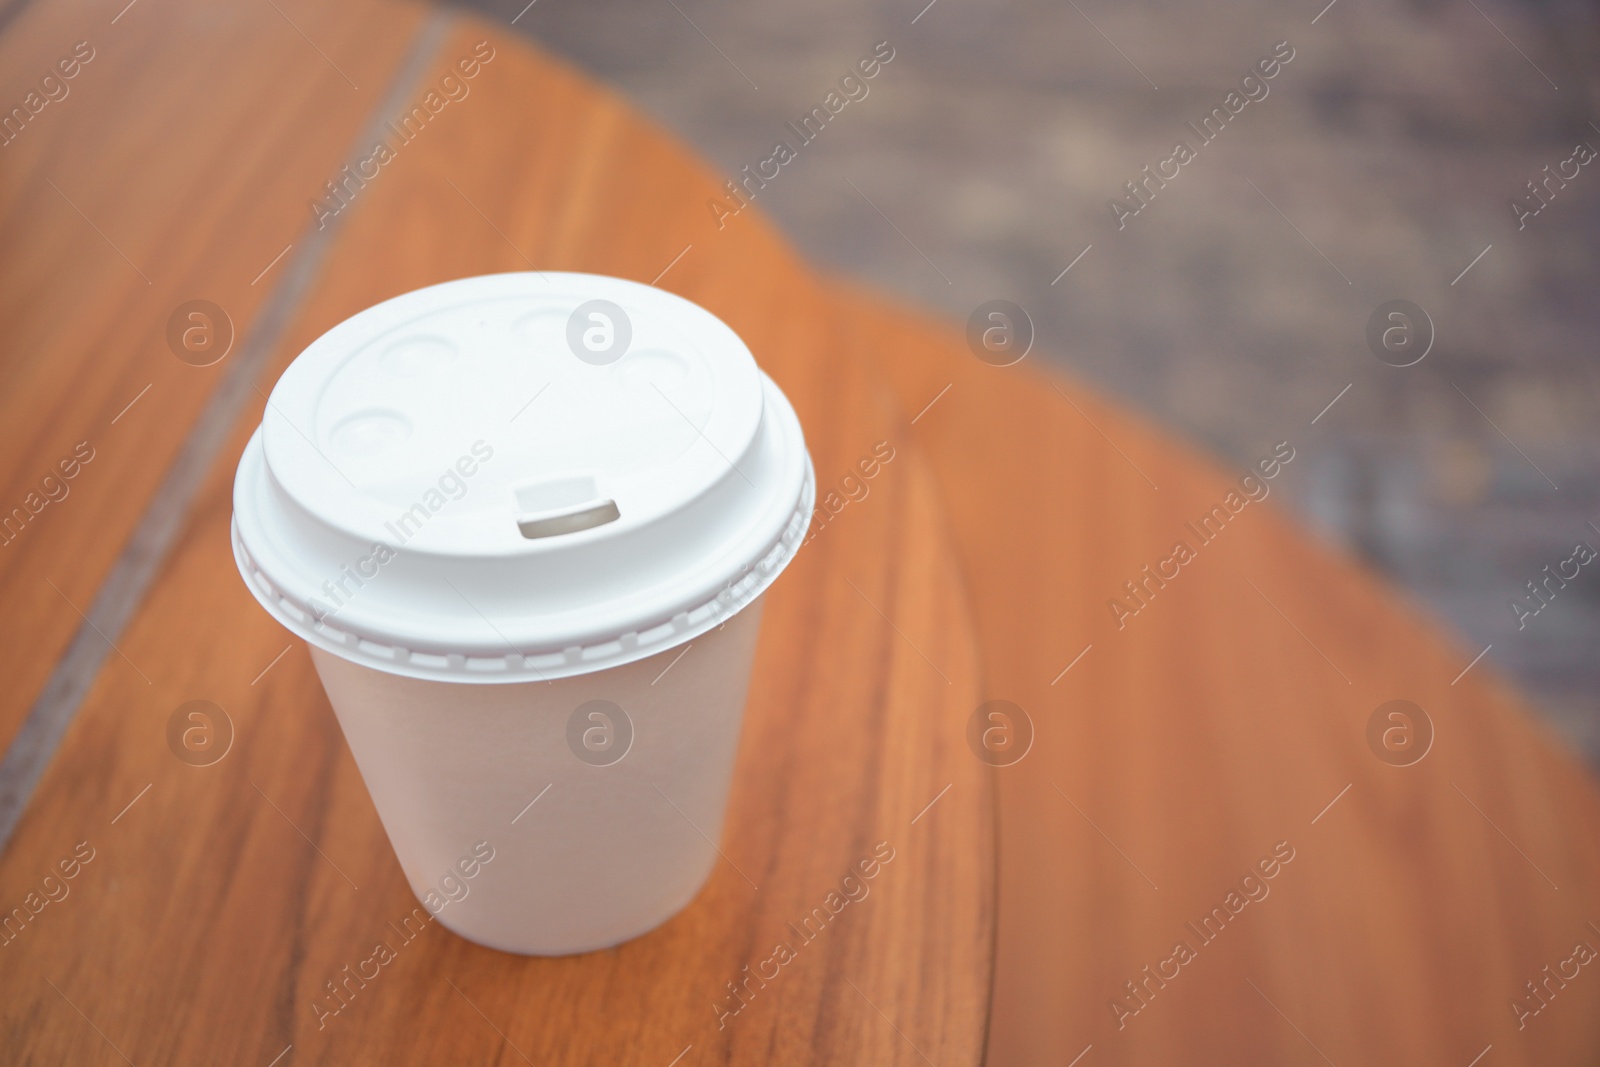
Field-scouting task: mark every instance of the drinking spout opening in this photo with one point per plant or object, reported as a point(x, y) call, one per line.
point(556, 525)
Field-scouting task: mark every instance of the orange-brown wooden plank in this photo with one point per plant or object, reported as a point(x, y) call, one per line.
point(206, 927)
point(177, 165)
point(1220, 720)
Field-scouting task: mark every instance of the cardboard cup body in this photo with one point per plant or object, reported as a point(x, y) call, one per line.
point(533, 817)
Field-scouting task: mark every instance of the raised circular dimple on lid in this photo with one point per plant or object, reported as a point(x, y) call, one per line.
point(546, 461)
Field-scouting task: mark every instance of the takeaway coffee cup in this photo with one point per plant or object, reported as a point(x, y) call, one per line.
point(525, 523)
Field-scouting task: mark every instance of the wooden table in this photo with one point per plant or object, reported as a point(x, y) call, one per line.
point(1220, 732)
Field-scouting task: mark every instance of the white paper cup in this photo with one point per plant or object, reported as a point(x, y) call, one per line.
point(525, 522)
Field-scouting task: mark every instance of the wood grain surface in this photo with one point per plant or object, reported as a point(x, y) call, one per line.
point(1179, 753)
point(1223, 718)
point(176, 167)
point(219, 905)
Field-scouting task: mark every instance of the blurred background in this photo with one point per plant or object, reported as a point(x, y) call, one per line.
point(1233, 308)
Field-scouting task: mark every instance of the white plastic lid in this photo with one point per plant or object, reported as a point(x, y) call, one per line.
point(519, 476)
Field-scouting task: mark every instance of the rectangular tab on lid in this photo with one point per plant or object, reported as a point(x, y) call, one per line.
point(561, 506)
